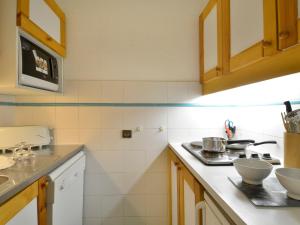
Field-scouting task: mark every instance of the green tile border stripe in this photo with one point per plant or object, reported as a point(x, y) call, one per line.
point(100, 104)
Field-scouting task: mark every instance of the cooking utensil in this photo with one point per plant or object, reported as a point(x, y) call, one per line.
point(218, 144)
point(229, 129)
point(288, 106)
point(238, 146)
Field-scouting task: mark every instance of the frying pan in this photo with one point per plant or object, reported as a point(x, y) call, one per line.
point(219, 144)
point(238, 146)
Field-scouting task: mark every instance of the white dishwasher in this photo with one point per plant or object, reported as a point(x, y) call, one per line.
point(65, 192)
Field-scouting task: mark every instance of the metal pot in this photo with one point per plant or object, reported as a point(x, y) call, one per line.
point(218, 144)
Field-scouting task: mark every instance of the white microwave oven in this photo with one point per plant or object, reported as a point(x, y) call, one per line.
point(38, 66)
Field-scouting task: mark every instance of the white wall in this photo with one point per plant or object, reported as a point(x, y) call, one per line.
point(7, 113)
point(132, 39)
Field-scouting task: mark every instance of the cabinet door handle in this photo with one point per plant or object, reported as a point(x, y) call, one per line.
point(200, 205)
point(284, 35)
point(49, 38)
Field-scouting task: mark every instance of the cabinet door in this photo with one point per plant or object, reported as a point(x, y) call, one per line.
point(44, 20)
point(210, 31)
point(21, 207)
point(213, 215)
point(42, 15)
point(191, 193)
point(28, 215)
point(252, 29)
point(288, 23)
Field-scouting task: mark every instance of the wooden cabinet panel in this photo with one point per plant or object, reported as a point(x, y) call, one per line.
point(246, 24)
point(210, 25)
point(187, 198)
point(210, 217)
point(210, 29)
point(43, 16)
point(252, 30)
point(14, 205)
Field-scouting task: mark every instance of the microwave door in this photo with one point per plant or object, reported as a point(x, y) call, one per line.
point(36, 67)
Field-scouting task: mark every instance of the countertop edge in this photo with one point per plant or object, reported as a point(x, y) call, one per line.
point(18, 188)
point(228, 210)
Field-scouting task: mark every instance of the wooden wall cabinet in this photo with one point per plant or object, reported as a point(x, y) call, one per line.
point(44, 20)
point(259, 40)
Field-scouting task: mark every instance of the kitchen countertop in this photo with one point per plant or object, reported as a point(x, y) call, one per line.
point(25, 172)
point(234, 203)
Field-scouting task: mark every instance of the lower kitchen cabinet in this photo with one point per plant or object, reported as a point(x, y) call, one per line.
point(190, 203)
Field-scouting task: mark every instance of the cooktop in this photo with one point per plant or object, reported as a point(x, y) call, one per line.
point(227, 157)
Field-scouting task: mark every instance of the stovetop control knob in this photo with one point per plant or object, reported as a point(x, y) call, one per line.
point(267, 156)
point(242, 155)
point(254, 155)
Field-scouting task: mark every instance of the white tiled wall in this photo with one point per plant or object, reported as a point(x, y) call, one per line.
point(126, 179)
point(7, 112)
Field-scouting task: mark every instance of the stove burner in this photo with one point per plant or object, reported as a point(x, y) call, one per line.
point(227, 157)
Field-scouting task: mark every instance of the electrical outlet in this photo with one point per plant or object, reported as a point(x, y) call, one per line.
point(126, 133)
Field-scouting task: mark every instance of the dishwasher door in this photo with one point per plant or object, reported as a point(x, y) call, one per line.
point(65, 193)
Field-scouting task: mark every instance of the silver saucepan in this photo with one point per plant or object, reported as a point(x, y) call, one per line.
point(218, 144)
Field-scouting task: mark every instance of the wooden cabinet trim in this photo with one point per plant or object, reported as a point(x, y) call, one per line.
point(23, 7)
point(298, 27)
point(281, 64)
point(247, 57)
point(287, 23)
point(10, 208)
point(270, 28)
point(42, 200)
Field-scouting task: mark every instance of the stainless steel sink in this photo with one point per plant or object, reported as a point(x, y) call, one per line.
point(3, 179)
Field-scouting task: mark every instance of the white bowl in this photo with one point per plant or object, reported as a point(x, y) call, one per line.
point(290, 179)
point(253, 171)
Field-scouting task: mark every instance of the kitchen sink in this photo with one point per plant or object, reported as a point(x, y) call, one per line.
point(3, 179)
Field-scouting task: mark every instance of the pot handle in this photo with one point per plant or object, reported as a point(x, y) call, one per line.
point(240, 141)
point(265, 142)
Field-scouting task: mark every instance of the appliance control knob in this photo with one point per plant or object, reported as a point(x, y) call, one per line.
point(242, 155)
point(254, 155)
point(267, 156)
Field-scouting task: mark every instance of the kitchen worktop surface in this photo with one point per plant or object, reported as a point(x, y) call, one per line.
point(25, 172)
point(235, 203)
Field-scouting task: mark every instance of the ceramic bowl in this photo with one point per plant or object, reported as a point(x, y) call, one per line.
point(289, 178)
point(253, 171)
